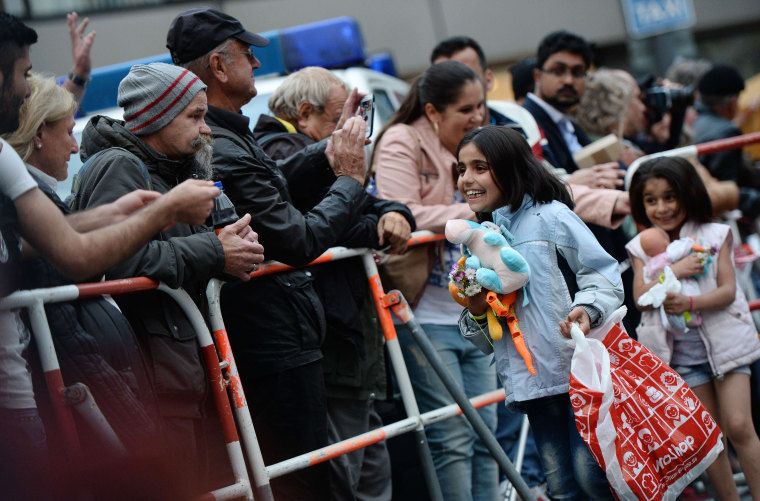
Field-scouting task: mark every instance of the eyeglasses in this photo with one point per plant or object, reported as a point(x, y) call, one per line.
point(559, 71)
point(248, 53)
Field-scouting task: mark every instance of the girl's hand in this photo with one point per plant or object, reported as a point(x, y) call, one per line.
point(676, 303)
point(687, 267)
point(579, 316)
point(477, 304)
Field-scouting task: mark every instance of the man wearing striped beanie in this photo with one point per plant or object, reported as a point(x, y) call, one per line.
point(162, 141)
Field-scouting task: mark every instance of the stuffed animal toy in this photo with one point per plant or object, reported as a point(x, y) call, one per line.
point(498, 268)
point(656, 296)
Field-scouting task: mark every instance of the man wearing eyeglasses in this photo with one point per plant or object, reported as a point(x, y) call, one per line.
point(560, 76)
point(276, 324)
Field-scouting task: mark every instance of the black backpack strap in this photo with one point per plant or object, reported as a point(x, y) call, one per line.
point(266, 139)
point(219, 132)
point(11, 274)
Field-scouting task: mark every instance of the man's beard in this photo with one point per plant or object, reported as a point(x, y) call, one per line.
point(563, 104)
point(203, 168)
point(10, 105)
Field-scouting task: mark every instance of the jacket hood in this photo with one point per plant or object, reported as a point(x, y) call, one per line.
point(103, 132)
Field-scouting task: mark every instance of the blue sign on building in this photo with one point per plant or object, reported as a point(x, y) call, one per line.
point(646, 18)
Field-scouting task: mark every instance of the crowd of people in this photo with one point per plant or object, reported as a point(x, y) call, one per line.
point(307, 341)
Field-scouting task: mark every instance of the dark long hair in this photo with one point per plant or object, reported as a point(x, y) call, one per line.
point(440, 85)
point(514, 168)
point(686, 183)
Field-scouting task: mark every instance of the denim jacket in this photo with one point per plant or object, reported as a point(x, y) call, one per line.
point(540, 233)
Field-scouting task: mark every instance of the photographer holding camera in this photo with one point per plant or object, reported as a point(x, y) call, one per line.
point(666, 104)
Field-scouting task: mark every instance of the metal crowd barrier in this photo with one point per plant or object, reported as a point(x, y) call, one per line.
point(695, 150)
point(223, 374)
point(34, 300)
point(415, 421)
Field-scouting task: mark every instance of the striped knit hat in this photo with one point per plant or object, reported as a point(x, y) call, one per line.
point(153, 94)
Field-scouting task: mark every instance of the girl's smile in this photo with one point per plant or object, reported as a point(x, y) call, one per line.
point(475, 181)
point(662, 207)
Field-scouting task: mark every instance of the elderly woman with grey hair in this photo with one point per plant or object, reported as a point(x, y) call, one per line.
point(611, 105)
point(604, 105)
point(306, 108)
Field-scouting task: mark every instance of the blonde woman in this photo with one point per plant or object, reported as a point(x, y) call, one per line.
point(44, 138)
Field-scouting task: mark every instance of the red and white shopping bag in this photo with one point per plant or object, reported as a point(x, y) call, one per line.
point(643, 424)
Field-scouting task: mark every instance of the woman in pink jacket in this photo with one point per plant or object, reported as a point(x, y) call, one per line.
point(415, 163)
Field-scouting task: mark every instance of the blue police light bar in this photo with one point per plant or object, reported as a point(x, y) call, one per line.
point(383, 63)
point(271, 58)
point(104, 81)
point(333, 43)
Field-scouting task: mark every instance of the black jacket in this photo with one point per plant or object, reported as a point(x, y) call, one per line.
point(276, 322)
point(724, 165)
point(182, 256)
point(354, 363)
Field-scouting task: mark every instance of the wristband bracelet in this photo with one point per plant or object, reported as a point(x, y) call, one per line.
point(691, 303)
point(479, 317)
point(78, 81)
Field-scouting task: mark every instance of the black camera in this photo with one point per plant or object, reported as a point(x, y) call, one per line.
point(660, 100)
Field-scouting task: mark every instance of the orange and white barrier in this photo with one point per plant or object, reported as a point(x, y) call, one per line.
point(694, 150)
point(34, 300)
point(225, 380)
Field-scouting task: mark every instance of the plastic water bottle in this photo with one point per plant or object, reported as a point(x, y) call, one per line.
point(223, 212)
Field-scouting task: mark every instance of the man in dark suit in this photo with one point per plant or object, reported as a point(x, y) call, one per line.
point(560, 79)
point(560, 76)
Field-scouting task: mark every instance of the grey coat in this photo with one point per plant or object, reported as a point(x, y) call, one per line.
point(182, 256)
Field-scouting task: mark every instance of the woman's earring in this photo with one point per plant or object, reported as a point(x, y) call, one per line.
point(38, 146)
point(435, 127)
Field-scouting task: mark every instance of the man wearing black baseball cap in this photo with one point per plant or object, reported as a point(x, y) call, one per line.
point(275, 323)
point(196, 31)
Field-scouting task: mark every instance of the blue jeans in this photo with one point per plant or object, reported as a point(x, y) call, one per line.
point(508, 435)
point(697, 375)
point(571, 471)
point(466, 470)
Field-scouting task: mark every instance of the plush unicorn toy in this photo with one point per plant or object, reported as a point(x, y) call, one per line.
point(499, 268)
